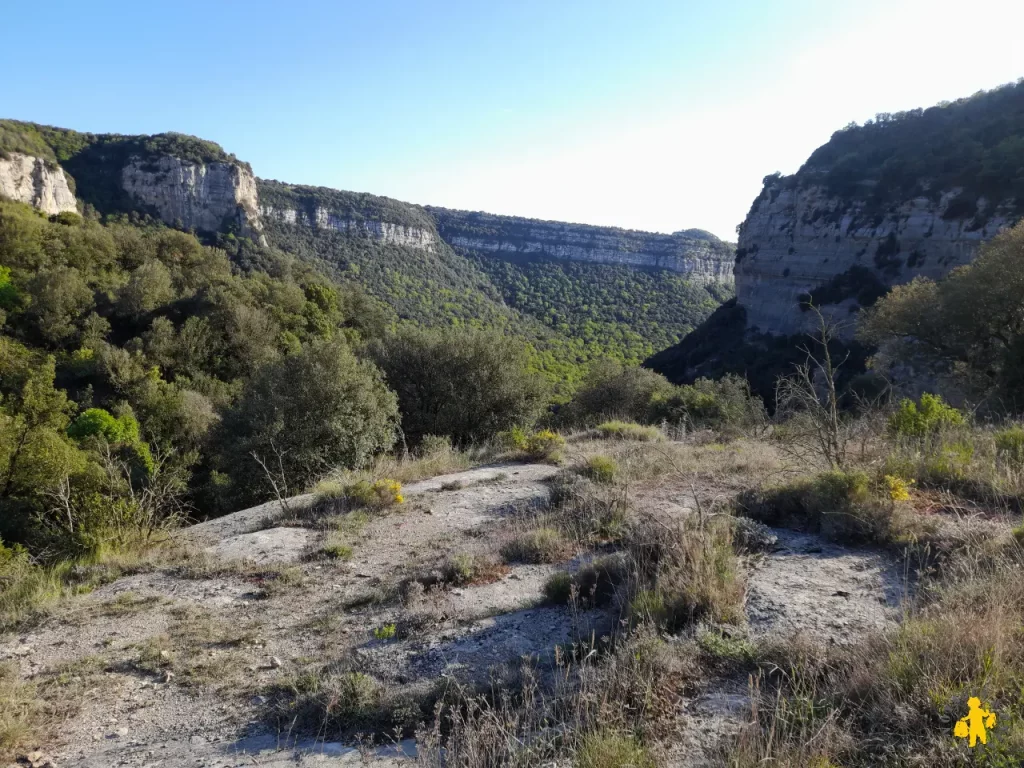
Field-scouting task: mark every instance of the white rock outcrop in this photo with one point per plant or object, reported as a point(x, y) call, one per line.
point(702, 256)
point(31, 180)
point(386, 232)
point(799, 238)
point(207, 197)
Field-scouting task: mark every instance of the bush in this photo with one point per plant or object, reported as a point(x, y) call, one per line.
point(542, 545)
point(336, 547)
point(725, 404)
point(98, 422)
point(842, 506)
point(593, 585)
point(612, 391)
point(467, 385)
point(377, 495)
point(1010, 444)
point(319, 408)
point(600, 469)
point(687, 574)
point(336, 702)
point(545, 445)
point(588, 511)
point(464, 569)
point(628, 431)
point(931, 416)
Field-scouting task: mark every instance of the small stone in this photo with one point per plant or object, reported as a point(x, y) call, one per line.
point(275, 663)
point(165, 655)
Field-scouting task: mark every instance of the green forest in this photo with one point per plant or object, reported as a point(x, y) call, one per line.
point(629, 313)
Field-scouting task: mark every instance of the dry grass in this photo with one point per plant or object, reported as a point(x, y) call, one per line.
point(540, 545)
point(439, 458)
point(624, 430)
point(201, 649)
point(33, 711)
point(597, 707)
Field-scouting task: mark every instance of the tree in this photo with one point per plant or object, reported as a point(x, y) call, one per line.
point(814, 424)
point(970, 323)
point(468, 385)
point(611, 390)
point(304, 415)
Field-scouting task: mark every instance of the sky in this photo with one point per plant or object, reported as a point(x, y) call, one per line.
point(649, 114)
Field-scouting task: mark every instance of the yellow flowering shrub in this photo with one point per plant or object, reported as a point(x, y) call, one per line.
point(897, 488)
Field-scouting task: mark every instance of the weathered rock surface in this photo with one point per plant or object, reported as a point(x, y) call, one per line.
point(798, 238)
point(209, 197)
point(694, 252)
point(322, 217)
point(31, 180)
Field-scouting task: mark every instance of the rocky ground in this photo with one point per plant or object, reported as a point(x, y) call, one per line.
point(172, 665)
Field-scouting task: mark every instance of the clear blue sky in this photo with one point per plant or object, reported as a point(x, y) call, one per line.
point(653, 114)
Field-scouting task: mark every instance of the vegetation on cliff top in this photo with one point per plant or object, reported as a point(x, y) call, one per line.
point(353, 206)
point(974, 143)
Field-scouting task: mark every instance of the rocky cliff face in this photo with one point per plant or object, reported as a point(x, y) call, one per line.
point(203, 196)
point(693, 252)
point(798, 242)
point(352, 213)
point(320, 217)
point(31, 180)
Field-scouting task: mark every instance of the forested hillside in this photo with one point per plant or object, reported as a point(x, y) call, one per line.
point(628, 313)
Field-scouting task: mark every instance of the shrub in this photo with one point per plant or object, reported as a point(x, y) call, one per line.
point(601, 469)
point(930, 416)
point(1010, 444)
point(335, 702)
point(627, 431)
point(897, 488)
point(613, 391)
point(724, 648)
point(691, 573)
point(836, 503)
point(376, 496)
point(724, 404)
point(98, 422)
point(595, 584)
point(587, 510)
point(319, 408)
point(385, 632)
point(464, 568)
point(541, 545)
point(842, 506)
point(336, 548)
point(603, 749)
point(558, 588)
point(513, 439)
point(648, 605)
point(433, 445)
point(545, 445)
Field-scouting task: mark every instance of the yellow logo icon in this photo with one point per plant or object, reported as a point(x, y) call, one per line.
point(973, 725)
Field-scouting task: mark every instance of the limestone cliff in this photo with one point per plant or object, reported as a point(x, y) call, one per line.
point(209, 197)
point(359, 215)
point(34, 181)
point(692, 252)
point(908, 194)
point(801, 242)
